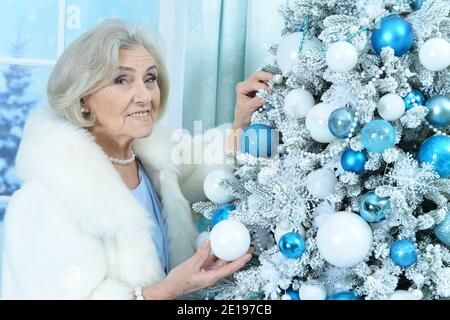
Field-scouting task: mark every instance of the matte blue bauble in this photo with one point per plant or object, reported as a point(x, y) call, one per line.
point(222, 213)
point(346, 295)
point(394, 32)
point(378, 135)
point(341, 121)
point(436, 151)
point(412, 98)
point(403, 253)
point(416, 4)
point(292, 245)
point(203, 224)
point(374, 208)
point(439, 111)
point(293, 294)
point(353, 161)
point(258, 140)
point(442, 230)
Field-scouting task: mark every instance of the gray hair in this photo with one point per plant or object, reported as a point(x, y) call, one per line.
point(91, 62)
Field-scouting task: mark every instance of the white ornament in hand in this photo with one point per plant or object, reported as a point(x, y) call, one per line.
point(230, 240)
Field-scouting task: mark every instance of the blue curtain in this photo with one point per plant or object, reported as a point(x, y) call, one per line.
point(225, 43)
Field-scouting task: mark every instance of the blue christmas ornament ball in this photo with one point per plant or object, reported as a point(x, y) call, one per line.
point(345, 295)
point(203, 224)
point(374, 208)
point(259, 140)
point(222, 213)
point(378, 135)
point(341, 122)
point(413, 98)
point(353, 161)
point(393, 32)
point(293, 294)
point(438, 111)
point(403, 253)
point(292, 245)
point(442, 230)
point(416, 4)
point(436, 151)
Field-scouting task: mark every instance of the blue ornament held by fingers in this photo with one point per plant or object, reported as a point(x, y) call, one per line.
point(393, 32)
point(259, 140)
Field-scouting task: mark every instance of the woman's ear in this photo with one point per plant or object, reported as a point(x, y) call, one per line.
point(84, 108)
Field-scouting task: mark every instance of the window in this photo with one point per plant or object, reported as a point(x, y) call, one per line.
point(34, 34)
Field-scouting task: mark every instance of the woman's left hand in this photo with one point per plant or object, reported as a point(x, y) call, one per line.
point(214, 263)
point(247, 102)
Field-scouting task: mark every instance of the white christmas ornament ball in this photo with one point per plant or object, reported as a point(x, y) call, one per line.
point(406, 295)
point(341, 56)
point(298, 103)
point(317, 122)
point(312, 292)
point(344, 239)
point(321, 183)
point(391, 107)
point(230, 240)
point(321, 213)
point(434, 54)
point(288, 49)
point(201, 238)
point(212, 188)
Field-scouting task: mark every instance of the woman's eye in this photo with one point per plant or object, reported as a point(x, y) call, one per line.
point(150, 79)
point(120, 80)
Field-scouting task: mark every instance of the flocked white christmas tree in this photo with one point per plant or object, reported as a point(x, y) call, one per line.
point(352, 200)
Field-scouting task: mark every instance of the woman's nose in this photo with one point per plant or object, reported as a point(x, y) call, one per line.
point(142, 94)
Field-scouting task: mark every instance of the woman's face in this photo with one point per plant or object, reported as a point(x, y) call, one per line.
point(127, 108)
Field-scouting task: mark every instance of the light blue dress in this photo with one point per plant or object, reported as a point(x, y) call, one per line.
point(147, 197)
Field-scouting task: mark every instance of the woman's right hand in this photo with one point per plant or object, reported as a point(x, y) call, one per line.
point(200, 271)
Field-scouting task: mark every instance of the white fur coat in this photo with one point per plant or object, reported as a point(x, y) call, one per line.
point(75, 231)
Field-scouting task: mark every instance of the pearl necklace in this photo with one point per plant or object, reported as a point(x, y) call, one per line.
point(123, 162)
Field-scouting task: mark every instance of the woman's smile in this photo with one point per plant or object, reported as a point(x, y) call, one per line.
point(141, 116)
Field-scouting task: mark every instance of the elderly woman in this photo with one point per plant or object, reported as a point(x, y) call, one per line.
point(104, 211)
